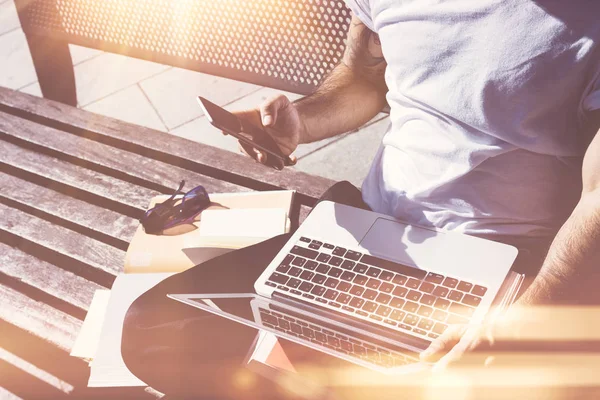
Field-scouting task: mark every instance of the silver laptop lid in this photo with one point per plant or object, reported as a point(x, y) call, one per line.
point(312, 330)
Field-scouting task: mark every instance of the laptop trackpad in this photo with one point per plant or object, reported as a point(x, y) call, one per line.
point(403, 243)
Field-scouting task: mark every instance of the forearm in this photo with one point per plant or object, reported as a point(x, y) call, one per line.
point(573, 258)
point(342, 103)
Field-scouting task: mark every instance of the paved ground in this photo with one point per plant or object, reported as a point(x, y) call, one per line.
point(163, 98)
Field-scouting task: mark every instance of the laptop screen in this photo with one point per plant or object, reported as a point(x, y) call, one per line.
point(330, 339)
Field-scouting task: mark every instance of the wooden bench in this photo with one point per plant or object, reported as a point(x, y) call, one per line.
point(73, 186)
point(74, 183)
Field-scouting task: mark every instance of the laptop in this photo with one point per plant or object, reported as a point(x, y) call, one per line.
point(368, 288)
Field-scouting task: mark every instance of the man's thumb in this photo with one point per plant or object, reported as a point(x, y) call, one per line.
point(270, 109)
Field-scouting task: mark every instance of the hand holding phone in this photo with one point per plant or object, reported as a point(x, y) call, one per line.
point(253, 136)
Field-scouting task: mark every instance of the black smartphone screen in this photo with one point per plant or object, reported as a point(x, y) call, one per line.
point(248, 134)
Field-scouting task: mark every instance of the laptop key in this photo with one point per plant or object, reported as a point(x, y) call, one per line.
point(331, 294)
point(346, 308)
point(306, 286)
point(339, 251)
point(318, 290)
point(396, 302)
point(373, 272)
point(440, 291)
point(373, 283)
point(296, 292)
point(400, 291)
point(323, 268)
point(399, 279)
point(386, 287)
point(335, 272)
point(375, 317)
point(455, 295)
point(301, 251)
point(323, 257)
point(397, 315)
point(308, 296)
point(404, 326)
point(427, 299)
point(308, 333)
point(384, 311)
point(412, 283)
point(479, 290)
point(284, 288)
point(425, 311)
point(305, 239)
point(370, 306)
point(419, 331)
point(347, 276)
point(314, 245)
point(344, 286)
point(442, 304)
point(294, 271)
point(278, 278)
point(450, 282)
point(361, 268)
point(294, 283)
point(343, 298)
point(347, 264)
point(386, 276)
point(321, 300)
point(331, 282)
point(356, 302)
point(434, 278)
point(319, 279)
point(335, 261)
point(471, 300)
point(410, 306)
point(334, 304)
point(383, 298)
point(425, 324)
point(369, 294)
point(389, 322)
point(427, 287)
point(413, 295)
point(272, 284)
point(357, 290)
point(433, 335)
point(464, 286)
point(411, 319)
point(283, 268)
point(328, 246)
point(360, 279)
point(353, 255)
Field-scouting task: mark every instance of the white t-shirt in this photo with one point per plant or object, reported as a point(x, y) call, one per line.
point(488, 99)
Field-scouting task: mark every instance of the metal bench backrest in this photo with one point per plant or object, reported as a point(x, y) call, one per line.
point(285, 44)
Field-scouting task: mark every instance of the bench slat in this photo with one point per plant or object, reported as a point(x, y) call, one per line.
point(88, 219)
point(77, 181)
point(38, 318)
point(201, 158)
point(55, 286)
point(84, 256)
point(109, 160)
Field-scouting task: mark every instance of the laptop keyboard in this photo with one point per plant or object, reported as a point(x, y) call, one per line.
point(333, 340)
point(379, 290)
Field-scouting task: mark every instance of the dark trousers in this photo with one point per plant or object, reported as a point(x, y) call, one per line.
point(186, 352)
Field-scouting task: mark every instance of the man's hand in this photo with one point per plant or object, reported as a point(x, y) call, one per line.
point(280, 119)
point(458, 340)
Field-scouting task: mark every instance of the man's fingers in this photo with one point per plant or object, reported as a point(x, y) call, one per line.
point(270, 108)
point(442, 345)
point(465, 343)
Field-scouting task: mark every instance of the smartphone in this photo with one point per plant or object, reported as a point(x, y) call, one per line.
point(249, 135)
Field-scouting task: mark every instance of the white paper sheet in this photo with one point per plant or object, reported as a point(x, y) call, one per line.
point(89, 335)
point(252, 222)
point(108, 368)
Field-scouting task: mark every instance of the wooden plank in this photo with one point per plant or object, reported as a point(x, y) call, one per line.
point(75, 181)
point(46, 282)
point(25, 385)
point(203, 159)
point(106, 159)
point(86, 257)
point(88, 219)
point(38, 318)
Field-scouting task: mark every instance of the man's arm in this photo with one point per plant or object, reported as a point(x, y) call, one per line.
point(575, 252)
point(352, 94)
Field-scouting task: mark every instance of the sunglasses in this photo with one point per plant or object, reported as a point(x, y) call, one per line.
point(175, 211)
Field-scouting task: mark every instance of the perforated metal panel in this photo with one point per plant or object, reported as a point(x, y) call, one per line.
point(287, 44)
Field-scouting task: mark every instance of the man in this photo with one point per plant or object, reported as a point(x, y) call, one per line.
point(494, 107)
